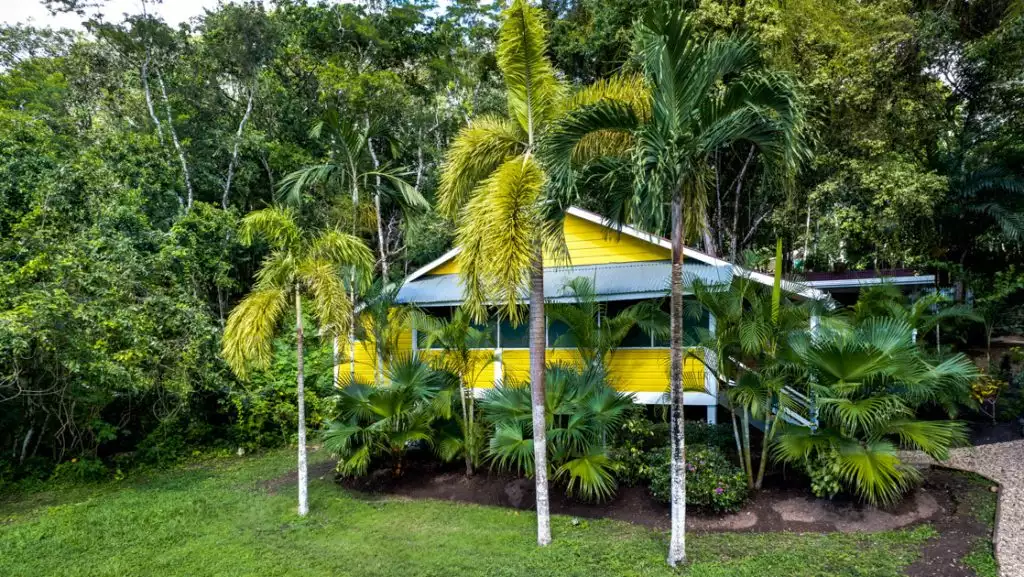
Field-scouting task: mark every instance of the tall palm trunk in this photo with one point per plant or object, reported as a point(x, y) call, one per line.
point(301, 392)
point(537, 362)
point(677, 545)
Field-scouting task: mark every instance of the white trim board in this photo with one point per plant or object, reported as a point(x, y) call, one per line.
point(924, 279)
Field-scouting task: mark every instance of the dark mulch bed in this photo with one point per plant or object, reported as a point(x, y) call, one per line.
point(941, 501)
point(984, 433)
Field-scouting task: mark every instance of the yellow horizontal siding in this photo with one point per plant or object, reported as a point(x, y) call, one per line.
point(590, 243)
point(631, 370)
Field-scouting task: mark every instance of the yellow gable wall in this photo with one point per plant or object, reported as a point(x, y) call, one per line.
point(591, 243)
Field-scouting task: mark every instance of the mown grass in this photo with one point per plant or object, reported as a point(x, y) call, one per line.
point(218, 519)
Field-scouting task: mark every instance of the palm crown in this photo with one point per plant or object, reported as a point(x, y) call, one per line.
point(298, 263)
point(870, 379)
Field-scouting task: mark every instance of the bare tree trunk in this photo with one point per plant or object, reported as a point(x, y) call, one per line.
point(238, 142)
point(538, 343)
point(677, 544)
point(337, 358)
point(734, 248)
point(149, 99)
point(301, 393)
point(177, 143)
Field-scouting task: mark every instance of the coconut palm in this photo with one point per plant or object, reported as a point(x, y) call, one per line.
point(592, 331)
point(870, 380)
point(706, 93)
point(493, 186)
point(299, 264)
point(461, 342)
point(583, 410)
point(382, 421)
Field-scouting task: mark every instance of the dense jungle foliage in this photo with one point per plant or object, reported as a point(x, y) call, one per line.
point(130, 152)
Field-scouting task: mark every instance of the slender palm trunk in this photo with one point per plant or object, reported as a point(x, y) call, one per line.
point(677, 545)
point(769, 434)
point(747, 464)
point(467, 434)
point(537, 362)
point(301, 393)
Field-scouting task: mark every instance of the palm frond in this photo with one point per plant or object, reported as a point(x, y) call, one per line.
point(477, 151)
point(498, 233)
point(275, 225)
point(589, 476)
point(250, 329)
point(534, 92)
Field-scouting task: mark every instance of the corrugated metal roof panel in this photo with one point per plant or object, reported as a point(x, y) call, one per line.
point(611, 282)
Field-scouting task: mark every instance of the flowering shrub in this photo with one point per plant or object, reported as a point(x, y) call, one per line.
point(712, 482)
point(985, 391)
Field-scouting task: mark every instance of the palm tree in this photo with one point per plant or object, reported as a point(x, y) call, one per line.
point(583, 412)
point(378, 421)
point(592, 331)
point(870, 380)
point(705, 94)
point(495, 188)
point(353, 166)
point(382, 322)
point(298, 264)
point(460, 340)
point(925, 313)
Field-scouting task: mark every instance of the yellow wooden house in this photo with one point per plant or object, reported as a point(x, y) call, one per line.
point(626, 265)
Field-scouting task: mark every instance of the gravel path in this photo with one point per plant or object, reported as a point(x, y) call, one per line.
point(1003, 463)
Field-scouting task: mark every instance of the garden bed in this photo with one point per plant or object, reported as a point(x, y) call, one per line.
point(954, 503)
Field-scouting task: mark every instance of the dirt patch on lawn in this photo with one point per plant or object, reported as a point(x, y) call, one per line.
point(965, 522)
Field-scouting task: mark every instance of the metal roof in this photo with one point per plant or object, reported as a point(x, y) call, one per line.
point(624, 281)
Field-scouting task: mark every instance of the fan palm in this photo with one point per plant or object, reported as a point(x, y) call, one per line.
point(870, 380)
point(298, 264)
point(461, 341)
point(382, 421)
point(592, 331)
point(583, 410)
point(704, 94)
point(495, 189)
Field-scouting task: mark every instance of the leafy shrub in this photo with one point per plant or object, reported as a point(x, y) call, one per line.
point(712, 482)
point(637, 435)
point(84, 470)
point(825, 476)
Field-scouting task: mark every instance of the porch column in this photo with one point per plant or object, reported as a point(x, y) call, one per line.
point(710, 382)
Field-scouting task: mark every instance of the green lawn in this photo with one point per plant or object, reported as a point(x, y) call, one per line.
point(215, 519)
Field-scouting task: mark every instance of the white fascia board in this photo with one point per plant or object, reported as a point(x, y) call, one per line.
point(925, 279)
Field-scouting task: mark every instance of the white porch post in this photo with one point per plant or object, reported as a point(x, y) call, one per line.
point(710, 382)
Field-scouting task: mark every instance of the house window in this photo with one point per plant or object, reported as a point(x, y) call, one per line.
point(446, 313)
point(636, 338)
point(691, 335)
point(514, 337)
point(559, 336)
